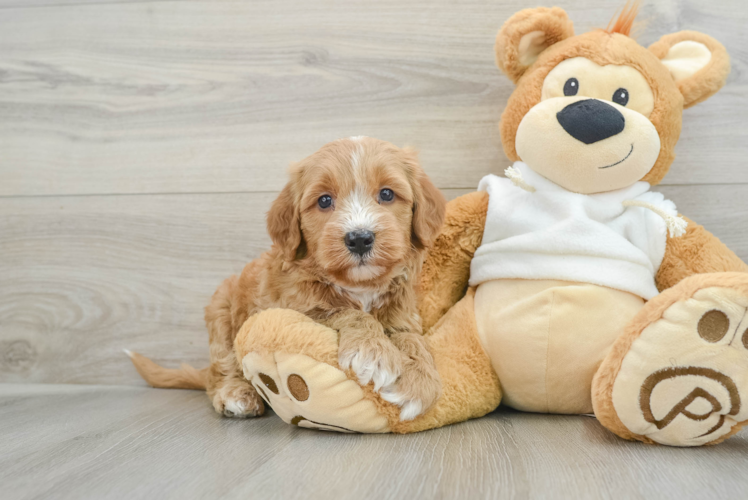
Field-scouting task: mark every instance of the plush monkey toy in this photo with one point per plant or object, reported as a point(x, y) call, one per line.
point(569, 286)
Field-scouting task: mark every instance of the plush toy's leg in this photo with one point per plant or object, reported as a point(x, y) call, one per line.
point(678, 375)
point(470, 387)
point(292, 362)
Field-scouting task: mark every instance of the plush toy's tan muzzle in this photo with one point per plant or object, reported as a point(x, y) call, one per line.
point(587, 145)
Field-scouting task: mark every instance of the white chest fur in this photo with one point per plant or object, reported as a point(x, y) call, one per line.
point(367, 298)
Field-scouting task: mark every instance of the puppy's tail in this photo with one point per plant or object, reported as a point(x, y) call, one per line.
point(186, 377)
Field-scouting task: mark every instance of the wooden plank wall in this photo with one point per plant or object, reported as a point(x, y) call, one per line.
point(142, 142)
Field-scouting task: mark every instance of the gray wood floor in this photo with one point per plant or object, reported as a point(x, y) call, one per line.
point(141, 143)
point(82, 442)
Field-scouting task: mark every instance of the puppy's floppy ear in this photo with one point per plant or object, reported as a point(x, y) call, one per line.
point(526, 34)
point(698, 63)
point(284, 224)
point(429, 205)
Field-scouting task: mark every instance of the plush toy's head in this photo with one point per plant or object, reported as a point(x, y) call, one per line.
point(597, 112)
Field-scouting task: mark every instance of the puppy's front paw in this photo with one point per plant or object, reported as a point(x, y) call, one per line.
point(416, 390)
point(238, 401)
point(373, 360)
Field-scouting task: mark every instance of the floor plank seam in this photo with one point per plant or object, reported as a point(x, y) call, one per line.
point(275, 191)
point(88, 4)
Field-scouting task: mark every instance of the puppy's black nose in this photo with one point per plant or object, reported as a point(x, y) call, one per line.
point(591, 120)
point(359, 241)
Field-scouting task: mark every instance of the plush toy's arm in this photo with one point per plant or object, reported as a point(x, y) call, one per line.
point(447, 267)
point(698, 251)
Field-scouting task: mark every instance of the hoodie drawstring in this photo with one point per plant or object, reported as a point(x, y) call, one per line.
point(515, 176)
point(676, 225)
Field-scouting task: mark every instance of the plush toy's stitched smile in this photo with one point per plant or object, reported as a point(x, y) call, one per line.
point(621, 161)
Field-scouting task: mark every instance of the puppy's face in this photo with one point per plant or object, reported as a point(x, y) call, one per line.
point(359, 208)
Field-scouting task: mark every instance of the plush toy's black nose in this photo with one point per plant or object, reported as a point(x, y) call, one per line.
point(359, 241)
point(591, 120)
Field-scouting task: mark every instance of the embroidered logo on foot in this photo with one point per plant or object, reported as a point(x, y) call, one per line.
point(681, 408)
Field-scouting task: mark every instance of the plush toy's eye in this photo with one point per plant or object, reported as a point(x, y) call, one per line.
point(386, 195)
point(324, 201)
point(621, 96)
point(571, 87)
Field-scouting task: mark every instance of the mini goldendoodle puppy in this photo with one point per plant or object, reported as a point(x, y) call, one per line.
point(349, 233)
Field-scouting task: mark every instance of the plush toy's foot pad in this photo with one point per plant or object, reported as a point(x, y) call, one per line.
point(683, 380)
point(312, 394)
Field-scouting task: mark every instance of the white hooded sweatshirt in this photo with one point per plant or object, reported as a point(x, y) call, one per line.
point(555, 234)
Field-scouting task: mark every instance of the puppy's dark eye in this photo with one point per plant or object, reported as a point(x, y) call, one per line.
point(324, 201)
point(571, 87)
point(386, 195)
point(621, 96)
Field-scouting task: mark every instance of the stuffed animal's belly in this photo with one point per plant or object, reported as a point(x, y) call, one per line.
point(546, 338)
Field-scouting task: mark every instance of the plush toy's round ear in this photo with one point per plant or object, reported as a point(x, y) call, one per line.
point(528, 33)
point(698, 63)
